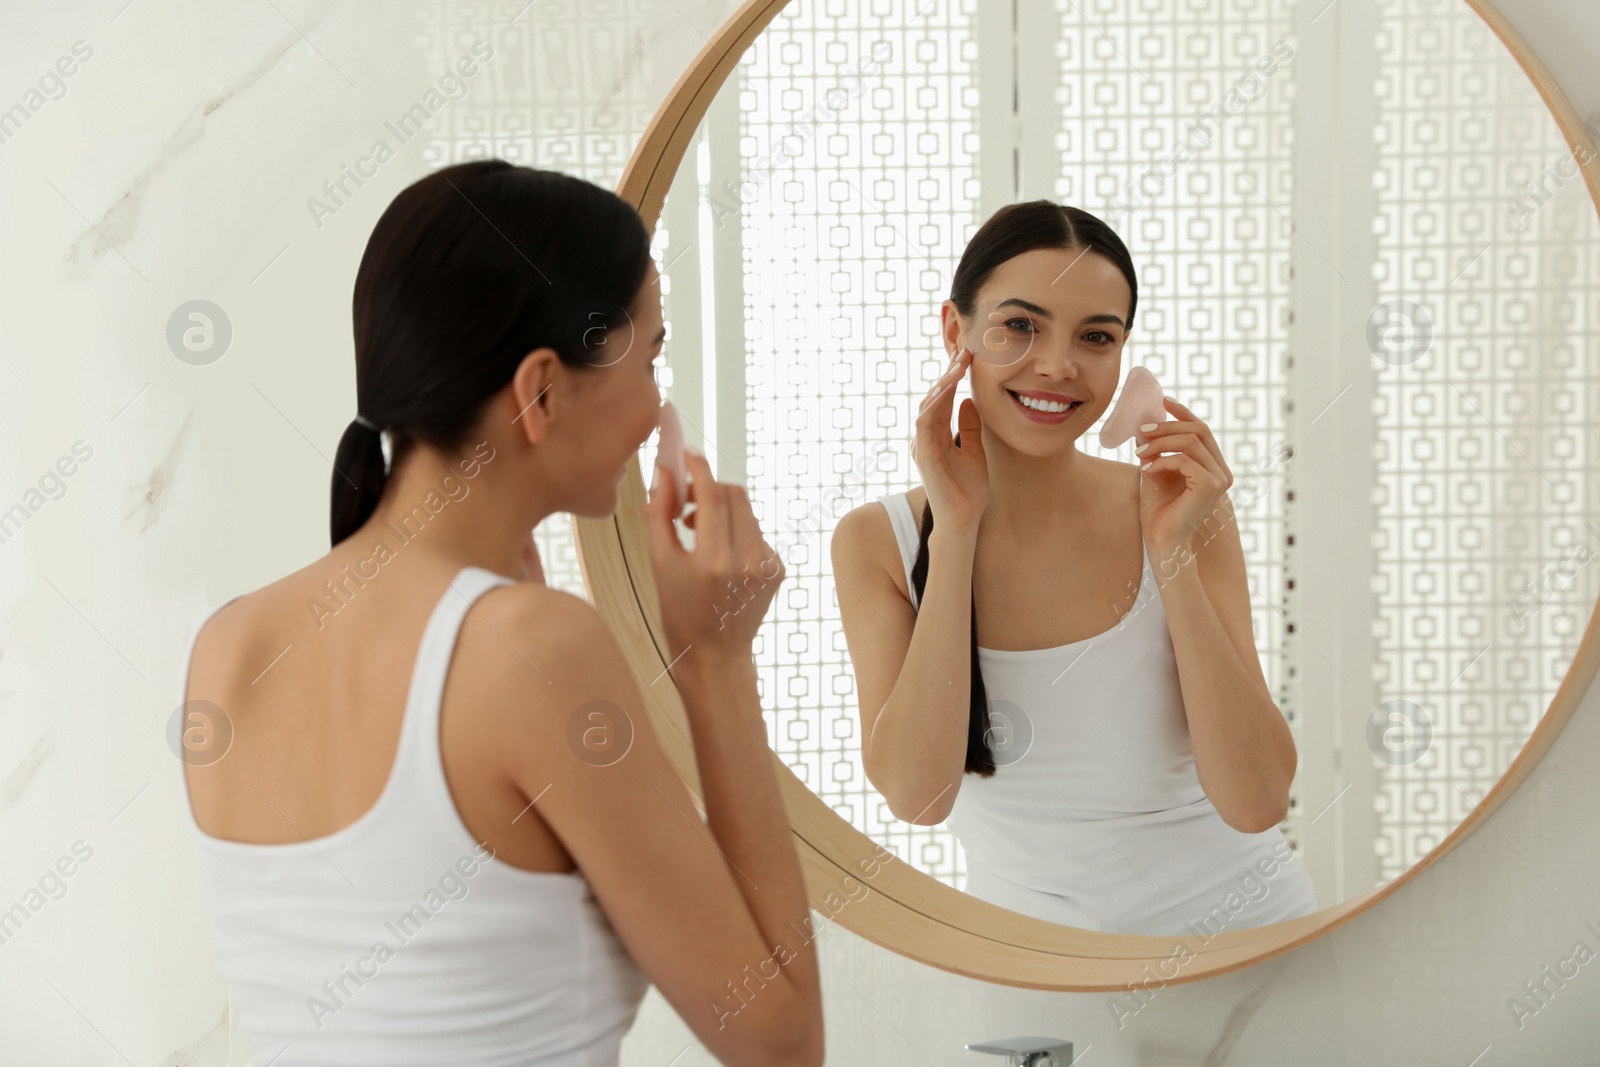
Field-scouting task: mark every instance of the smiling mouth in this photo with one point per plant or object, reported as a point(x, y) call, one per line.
point(1038, 414)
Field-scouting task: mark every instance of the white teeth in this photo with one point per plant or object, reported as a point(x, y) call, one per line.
point(1048, 406)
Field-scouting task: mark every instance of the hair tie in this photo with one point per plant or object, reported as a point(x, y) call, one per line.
point(362, 420)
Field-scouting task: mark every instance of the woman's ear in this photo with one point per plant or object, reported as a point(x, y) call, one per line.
point(950, 329)
point(531, 391)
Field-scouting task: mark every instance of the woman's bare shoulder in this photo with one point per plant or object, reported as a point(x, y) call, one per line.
point(866, 527)
point(1121, 471)
point(530, 622)
point(235, 634)
point(866, 535)
point(540, 609)
point(1126, 475)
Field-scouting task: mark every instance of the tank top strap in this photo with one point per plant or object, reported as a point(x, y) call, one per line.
point(904, 521)
point(419, 757)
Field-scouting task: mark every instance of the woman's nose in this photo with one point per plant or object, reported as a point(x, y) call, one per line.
point(1058, 364)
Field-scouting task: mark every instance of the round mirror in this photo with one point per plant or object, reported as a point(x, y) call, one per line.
point(1364, 255)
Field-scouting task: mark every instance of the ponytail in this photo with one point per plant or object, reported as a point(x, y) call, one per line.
point(359, 474)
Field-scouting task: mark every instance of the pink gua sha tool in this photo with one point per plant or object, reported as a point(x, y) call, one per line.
point(1141, 401)
point(669, 451)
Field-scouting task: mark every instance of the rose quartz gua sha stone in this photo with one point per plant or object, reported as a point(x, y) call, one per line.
point(1141, 402)
point(669, 451)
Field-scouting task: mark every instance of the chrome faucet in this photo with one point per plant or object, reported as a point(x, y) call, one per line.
point(1030, 1051)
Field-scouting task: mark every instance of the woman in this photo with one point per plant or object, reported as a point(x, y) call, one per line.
point(1109, 757)
point(444, 831)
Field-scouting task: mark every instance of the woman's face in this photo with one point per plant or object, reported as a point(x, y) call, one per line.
point(618, 401)
point(1049, 324)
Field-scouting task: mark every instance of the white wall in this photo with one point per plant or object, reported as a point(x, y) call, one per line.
point(177, 166)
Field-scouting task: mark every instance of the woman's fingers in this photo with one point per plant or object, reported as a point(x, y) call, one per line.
point(1204, 431)
point(1183, 443)
point(932, 434)
point(971, 428)
point(1182, 463)
point(659, 508)
point(712, 530)
point(759, 563)
point(739, 521)
point(943, 390)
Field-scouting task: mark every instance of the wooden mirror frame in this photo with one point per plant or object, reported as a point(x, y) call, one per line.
point(849, 876)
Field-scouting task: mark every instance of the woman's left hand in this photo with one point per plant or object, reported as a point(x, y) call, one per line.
point(1183, 483)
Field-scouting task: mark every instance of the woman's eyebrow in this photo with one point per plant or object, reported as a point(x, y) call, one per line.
point(1028, 305)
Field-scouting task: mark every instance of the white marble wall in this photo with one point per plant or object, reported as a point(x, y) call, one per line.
point(175, 163)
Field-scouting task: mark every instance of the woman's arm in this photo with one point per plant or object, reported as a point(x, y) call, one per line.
point(714, 912)
point(1243, 751)
point(913, 668)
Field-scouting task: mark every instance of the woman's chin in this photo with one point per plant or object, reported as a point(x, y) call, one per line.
point(1059, 440)
point(601, 506)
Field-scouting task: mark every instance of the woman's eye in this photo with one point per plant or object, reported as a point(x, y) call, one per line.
point(1025, 325)
point(1103, 337)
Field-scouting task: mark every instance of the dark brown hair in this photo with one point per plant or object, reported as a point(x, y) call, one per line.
point(466, 272)
point(1009, 232)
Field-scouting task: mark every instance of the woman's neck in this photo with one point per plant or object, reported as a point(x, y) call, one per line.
point(1035, 496)
point(432, 507)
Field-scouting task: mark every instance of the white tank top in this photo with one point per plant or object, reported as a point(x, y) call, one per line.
point(398, 940)
point(1095, 816)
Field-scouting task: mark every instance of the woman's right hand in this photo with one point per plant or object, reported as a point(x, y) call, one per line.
point(955, 477)
point(714, 597)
